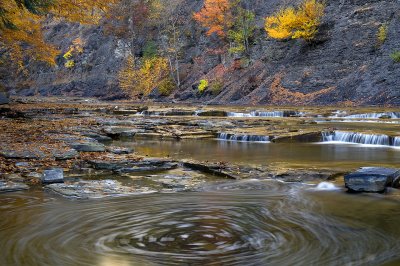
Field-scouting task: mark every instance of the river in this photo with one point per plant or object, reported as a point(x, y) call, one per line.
point(247, 222)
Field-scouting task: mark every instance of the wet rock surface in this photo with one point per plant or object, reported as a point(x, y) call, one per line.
point(95, 189)
point(55, 175)
point(77, 147)
point(9, 154)
point(9, 186)
point(65, 154)
point(119, 150)
point(3, 98)
point(372, 179)
point(130, 166)
point(116, 132)
point(89, 147)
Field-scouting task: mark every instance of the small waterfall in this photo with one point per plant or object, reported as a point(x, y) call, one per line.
point(360, 138)
point(247, 138)
point(197, 112)
point(396, 141)
point(235, 114)
point(392, 115)
point(152, 113)
point(265, 114)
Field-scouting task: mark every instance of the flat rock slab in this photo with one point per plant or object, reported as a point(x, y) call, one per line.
point(89, 147)
point(215, 170)
point(97, 137)
point(119, 150)
point(9, 186)
point(125, 112)
point(145, 167)
point(55, 175)
point(65, 155)
point(96, 189)
point(131, 166)
point(372, 179)
point(22, 154)
point(121, 132)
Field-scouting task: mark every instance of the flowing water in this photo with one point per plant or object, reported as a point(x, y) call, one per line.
point(233, 223)
point(343, 156)
point(248, 222)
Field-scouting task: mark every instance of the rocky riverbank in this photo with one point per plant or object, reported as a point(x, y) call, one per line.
point(78, 136)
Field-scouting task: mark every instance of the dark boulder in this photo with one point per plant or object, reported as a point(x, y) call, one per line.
point(3, 98)
point(55, 175)
point(372, 179)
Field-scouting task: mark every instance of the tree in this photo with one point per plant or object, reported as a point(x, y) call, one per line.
point(172, 39)
point(296, 23)
point(152, 73)
point(132, 19)
point(20, 25)
point(242, 31)
point(215, 15)
point(21, 34)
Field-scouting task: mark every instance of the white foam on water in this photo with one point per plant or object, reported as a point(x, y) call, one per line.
point(328, 186)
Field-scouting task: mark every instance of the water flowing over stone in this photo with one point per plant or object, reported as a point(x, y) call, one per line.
point(396, 141)
point(326, 186)
point(375, 115)
point(360, 138)
point(246, 138)
point(265, 114)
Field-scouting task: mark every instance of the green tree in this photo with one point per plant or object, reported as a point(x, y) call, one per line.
point(242, 31)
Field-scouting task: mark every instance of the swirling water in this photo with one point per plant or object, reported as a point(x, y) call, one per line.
point(232, 223)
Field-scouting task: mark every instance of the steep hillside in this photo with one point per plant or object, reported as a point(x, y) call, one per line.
point(344, 65)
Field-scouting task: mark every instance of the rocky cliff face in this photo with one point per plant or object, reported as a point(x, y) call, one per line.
point(346, 65)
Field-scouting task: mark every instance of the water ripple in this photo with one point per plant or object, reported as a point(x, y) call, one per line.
point(229, 227)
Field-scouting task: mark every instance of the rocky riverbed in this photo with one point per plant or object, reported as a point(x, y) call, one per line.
point(80, 148)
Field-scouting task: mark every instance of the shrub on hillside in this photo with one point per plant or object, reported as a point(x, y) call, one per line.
point(166, 86)
point(216, 86)
point(395, 56)
point(203, 85)
point(296, 23)
point(382, 34)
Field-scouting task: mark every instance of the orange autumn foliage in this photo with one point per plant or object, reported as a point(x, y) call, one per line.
point(215, 16)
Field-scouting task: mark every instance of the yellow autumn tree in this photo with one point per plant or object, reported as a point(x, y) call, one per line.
point(21, 33)
point(152, 73)
point(82, 11)
point(296, 23)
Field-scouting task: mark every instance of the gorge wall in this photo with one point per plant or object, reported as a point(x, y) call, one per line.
point(345, 65)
